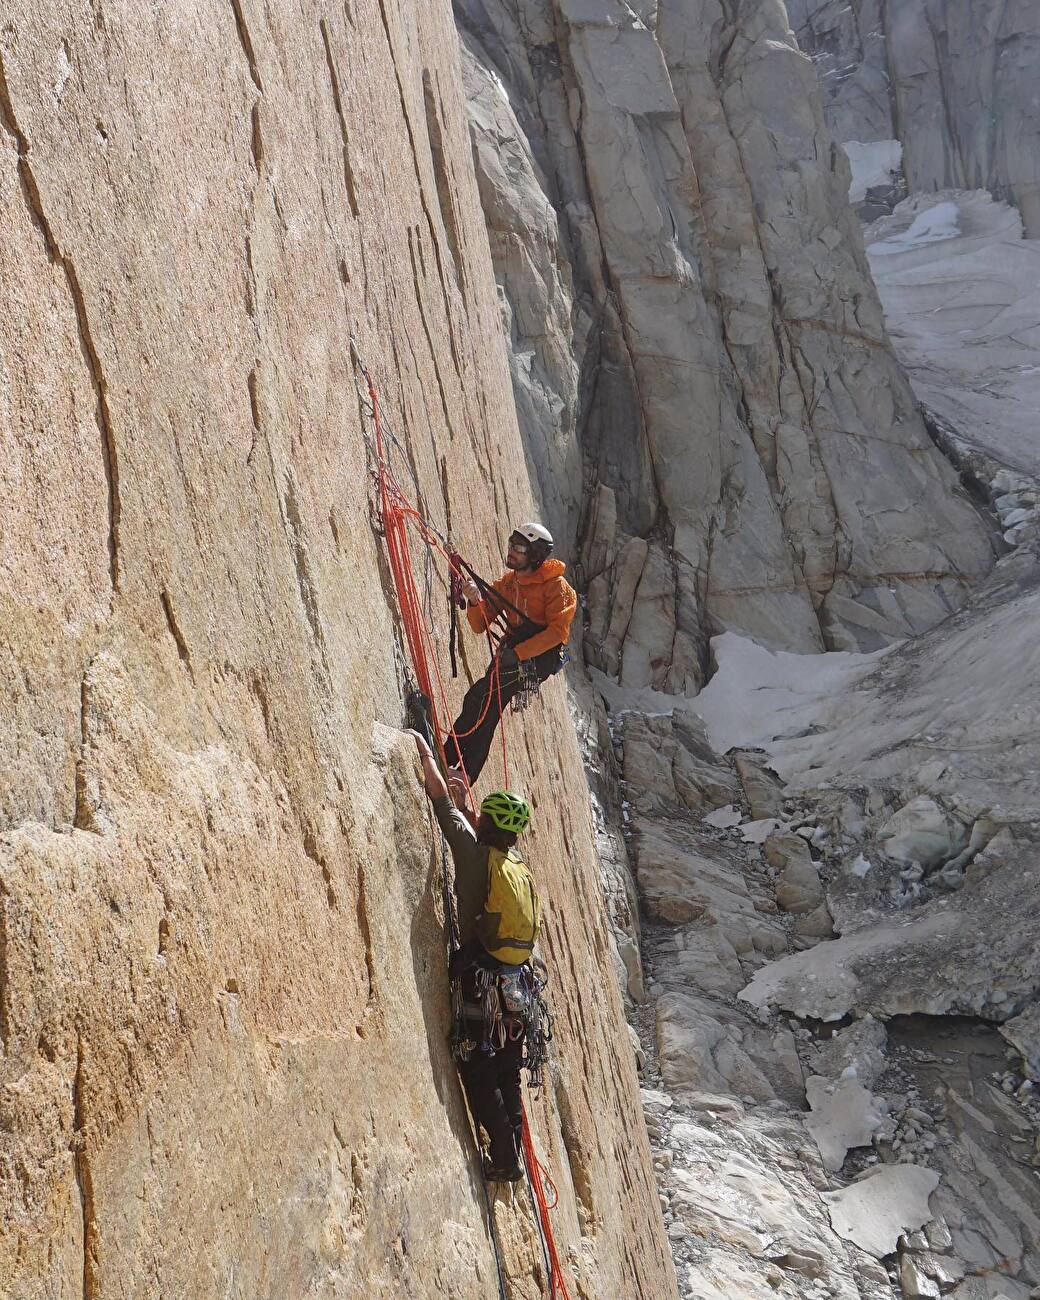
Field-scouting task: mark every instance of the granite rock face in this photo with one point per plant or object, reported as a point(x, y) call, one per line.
point(954, 82)
point(223, 1009)
point(673, 203)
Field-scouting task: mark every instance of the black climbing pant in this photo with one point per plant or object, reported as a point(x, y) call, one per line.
point(492, 1086)
point(480, 716)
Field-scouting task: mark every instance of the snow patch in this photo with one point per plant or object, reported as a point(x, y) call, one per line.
point(873, 163)
point(758, 832)
point(862, 866)
point(943, 221)
point(724, 818)
point(874, 1212)
point(634, 699)
point(758, 696)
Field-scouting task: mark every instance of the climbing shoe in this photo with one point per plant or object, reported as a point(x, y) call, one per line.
point(417, 715)
point(502, 1173)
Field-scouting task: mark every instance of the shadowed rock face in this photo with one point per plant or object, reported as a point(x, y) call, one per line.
point(223, 1010)
point(672, 202)
point(953, 81)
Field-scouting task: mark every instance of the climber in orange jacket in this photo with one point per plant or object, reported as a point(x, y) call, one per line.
point(538, 606)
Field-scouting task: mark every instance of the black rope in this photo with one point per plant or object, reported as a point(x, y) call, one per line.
point(453, 636)
point(493, 1234)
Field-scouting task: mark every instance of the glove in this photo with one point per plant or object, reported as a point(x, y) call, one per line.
point(508, 660)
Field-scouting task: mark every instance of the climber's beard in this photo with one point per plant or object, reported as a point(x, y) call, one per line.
point(516, 558)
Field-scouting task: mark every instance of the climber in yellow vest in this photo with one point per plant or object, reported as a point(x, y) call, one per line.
point(499, 917)
point(538, 606)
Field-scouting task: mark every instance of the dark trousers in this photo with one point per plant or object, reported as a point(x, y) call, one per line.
point(492, 1086)
point(472, 750)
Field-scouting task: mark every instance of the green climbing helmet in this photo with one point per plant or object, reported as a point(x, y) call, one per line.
point(507, 810)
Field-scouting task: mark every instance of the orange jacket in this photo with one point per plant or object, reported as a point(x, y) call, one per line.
point(544, 596)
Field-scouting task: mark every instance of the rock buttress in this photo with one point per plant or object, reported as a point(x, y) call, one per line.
point(685, 289)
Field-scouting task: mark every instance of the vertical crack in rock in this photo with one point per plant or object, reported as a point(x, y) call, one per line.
point(310, 847)
point(365, 930)
point(893, 89)
point(84, 1180)
point(442, 177)
point(577, 1159)
point(109, 454)
point(613, 299)
point(787, 358)
point(257, 142)
point(5, 975)
point(246, 41)
point(955, 163)
point(254, 412)
point(838, 562)
point(992, 180)
point(304, 578)
point(84, 818)
point(251, 303)
point(259, 692)
point(34, 201)
point(337, 99)
point(787, 355)
point(242, 27)
point(175, 631)
point(416, 281)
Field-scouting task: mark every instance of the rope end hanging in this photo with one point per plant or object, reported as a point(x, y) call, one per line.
point(546, 1197)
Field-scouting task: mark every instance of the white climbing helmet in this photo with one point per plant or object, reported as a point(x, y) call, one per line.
point(536, 540)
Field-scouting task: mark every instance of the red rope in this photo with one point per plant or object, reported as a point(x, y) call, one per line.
point(395, 512)
point(542, 1186)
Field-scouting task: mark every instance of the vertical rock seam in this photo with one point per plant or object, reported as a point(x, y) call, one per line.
point(34, 201)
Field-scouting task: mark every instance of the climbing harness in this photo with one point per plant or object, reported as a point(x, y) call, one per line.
point(517, 1008)
point(510, 1006)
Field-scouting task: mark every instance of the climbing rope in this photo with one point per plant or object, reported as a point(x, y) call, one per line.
point(542, 1189)
point(395, 513)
